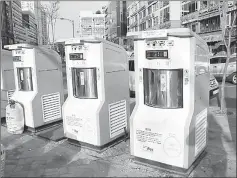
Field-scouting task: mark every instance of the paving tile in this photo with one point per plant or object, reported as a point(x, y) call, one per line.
point(37, 172)
point(63, 170)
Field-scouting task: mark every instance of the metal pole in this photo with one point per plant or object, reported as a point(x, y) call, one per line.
point(73, 28)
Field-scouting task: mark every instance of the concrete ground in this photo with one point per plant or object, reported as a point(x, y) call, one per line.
point(31, 156)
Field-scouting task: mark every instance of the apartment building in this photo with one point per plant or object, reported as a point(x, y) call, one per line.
point(116, 21)
point(7, 27)
point(30, 27)
point(203, 17)
point(148, 15)
point(18, 29)
point(91, 24)
point(36, 11)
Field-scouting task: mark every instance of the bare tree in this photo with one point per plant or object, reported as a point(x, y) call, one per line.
point(226, 35)
point(52, 14)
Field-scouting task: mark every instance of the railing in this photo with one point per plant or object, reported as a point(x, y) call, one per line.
point(189, 17)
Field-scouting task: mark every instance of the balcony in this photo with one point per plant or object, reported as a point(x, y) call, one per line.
point(165, 25)
point(189, 18)
point(208, 12)
point(133, 24)
point(233, 32)
point(210, 30)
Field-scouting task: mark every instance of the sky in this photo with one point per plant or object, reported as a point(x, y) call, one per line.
point(70, 10)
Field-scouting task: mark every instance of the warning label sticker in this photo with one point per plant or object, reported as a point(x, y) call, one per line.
point(148, 136)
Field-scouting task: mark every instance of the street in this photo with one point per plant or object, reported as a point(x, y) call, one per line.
point(29, 155)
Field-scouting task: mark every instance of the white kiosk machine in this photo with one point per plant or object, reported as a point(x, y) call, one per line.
point(169, 121)
point(39, 84)
point(96, 111)
point(7, 79)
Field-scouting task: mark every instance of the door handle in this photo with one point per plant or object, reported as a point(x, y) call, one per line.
point(215, 66)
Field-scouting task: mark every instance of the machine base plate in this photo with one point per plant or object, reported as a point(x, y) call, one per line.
point(168, 168)
point(98, 149)
point(43, 127)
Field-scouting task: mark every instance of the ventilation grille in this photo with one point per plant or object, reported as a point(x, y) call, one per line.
point(51, 106)
point(200, 131)
point(9, 95)
point(117, 118)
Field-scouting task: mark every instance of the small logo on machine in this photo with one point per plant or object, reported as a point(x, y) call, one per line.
point(147, 148)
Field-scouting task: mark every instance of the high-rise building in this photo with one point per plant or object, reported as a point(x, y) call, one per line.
point(18, 29)
point(203, 17)
point(7, 27)
point(30, 27)
point(116, 21)
point(148, 15)
point(35, 8)
point(44, 36)
point(91, 24)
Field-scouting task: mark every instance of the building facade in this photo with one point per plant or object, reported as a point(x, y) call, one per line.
point(30, 27)
point(7, 27)
point(18, 29)
point(148, 15)
point(203, 17)
point(91, 24)
point(116, 21)
point(36, 11)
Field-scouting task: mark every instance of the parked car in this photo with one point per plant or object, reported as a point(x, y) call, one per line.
point(217, 64)
point(214, 86)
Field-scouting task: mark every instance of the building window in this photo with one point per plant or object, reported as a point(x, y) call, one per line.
point(150, 23)
point(194, 27)
point(155, 21)
point(142, 26)
point(189, 7)
point(166, 15)
point(144, 13)
point(136, 29)
point(140, 15)
point(149, 10)
point(154, 7)
point(209, 25)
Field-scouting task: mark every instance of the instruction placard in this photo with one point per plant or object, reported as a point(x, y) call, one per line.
point(148, 136)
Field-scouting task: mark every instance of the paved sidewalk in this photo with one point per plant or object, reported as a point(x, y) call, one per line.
point(31, 156)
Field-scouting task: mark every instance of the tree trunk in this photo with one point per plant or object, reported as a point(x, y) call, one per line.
point(223, 106)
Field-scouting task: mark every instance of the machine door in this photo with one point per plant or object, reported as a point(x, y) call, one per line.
point(25, 82)
point(84, 82)
point(163, 88)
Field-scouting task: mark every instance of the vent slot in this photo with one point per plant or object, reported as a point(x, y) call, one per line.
point(117, 117)
point(9, 95)
point(51, 107)
point(200, 131)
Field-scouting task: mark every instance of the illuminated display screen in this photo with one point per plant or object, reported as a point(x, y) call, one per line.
point(17, 59)
point(76, 56)
point(157, 54)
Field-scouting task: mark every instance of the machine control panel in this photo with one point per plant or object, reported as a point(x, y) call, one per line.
point(17, 59)
point(156, 54)
point(76, 56)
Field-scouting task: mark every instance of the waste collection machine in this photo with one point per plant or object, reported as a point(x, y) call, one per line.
point(96, 111)
point(7, 79)
point(169, 122)
point(39, 84)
